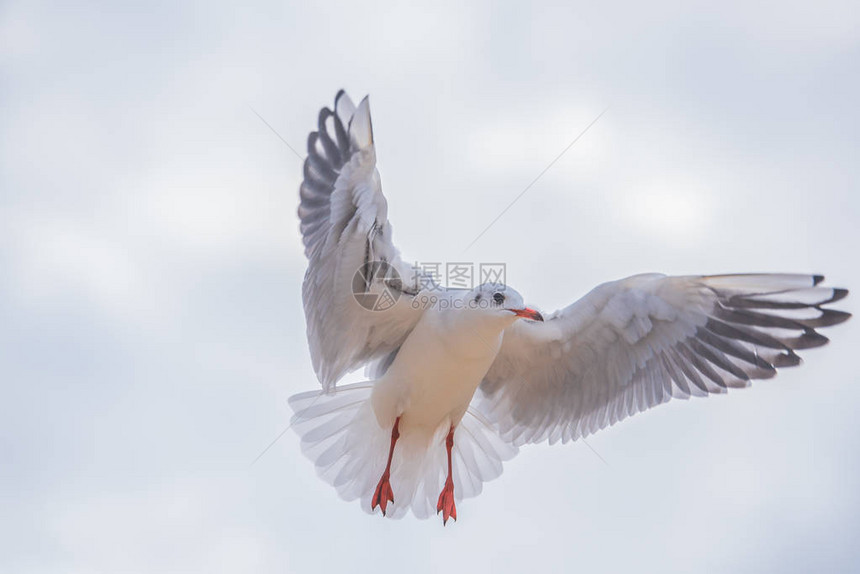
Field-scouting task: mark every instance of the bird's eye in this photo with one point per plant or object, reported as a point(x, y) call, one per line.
point(498, 298)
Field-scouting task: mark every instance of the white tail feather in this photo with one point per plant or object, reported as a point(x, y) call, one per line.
point(340, 434)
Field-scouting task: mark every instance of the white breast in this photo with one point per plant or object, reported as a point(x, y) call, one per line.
point(437, 370)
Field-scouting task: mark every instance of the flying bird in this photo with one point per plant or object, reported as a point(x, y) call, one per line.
point(459, 379)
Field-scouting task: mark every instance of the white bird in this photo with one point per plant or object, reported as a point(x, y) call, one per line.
point(459, 379)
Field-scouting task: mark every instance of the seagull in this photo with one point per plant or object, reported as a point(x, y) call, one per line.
point(459, 379)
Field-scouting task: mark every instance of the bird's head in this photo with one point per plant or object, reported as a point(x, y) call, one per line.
point(501, 300)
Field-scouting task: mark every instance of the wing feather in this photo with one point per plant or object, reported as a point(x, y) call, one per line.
point(635, 343)
point(345, 228)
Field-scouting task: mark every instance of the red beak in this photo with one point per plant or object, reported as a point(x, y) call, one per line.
point(528, 314)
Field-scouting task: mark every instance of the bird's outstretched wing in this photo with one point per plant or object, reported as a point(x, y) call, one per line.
point(635, 343)
point(357, 309)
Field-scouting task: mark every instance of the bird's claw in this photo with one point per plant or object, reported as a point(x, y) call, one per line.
point(383, 495)
point(446, 502)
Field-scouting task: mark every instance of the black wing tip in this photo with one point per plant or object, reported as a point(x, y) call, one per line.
point(838, 293)
point(342, 94)
point(789, 359)
point(830, 317)
point(816, 279)
point(324, 114)
point(810, 339)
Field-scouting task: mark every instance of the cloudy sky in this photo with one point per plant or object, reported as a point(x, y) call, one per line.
point(151, 325)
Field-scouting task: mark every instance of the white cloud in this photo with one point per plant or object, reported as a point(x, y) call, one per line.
point(59, 259)
point(676, 213)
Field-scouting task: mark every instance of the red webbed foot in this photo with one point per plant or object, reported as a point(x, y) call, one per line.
point(382, 495)
point(446, 502)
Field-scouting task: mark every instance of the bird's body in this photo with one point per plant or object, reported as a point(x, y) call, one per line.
point(459, 379)
point(437, 370)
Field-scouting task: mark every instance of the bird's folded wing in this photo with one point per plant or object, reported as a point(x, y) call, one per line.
point(344, 224)
point(635, 343)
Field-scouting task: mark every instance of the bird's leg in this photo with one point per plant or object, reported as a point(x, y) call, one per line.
point(383, 494)
point(446, 497)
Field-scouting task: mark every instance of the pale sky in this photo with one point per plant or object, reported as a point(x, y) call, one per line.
point(150, 309)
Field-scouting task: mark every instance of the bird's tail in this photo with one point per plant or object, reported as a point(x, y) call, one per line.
point(340, 434)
